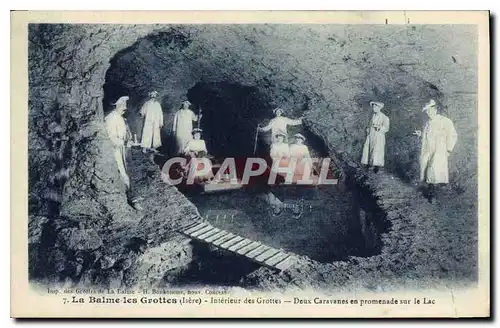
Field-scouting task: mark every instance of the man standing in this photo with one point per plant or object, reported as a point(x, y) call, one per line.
point(279, 124)
point(183, 125)
point(120, 136)
point(153, 122)
point(438, 140)
point(374, 147)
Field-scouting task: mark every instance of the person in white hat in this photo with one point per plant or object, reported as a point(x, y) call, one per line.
point(300, 152)
point(153, 122)
point(183, 125)
point(438, 140)
point(279, 124)
point(279, 148)
point(374, 147)
point(119, 134)
point(280, 155)
point(197, 146)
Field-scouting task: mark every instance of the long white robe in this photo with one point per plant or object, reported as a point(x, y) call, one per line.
point(438, 138)
point(280, 155)
point(153, 122)
point(303, 159)
point(374, 147)
point(119, 134)
point(183, 127)
point(279, 124)
point(196, 146)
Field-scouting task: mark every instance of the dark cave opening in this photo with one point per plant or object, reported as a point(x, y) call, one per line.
point(332, 226)
point(231, 113)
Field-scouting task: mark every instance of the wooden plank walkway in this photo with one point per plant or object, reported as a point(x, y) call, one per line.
point(254, 251)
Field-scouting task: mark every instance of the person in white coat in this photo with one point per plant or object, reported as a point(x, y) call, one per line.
point(119, 134)
point(279, 124)
point(153, 122)
point(298, 149)
point(374, 147)
point(438, 140)
point(280, 149)
point(183, 125)
point(197, 148)
point(280, 156)
point(300, 153)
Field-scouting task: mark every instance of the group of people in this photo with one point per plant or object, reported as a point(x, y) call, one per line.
point(279, 137)
point(188, 140)
point(282, 151)
point(437, 139)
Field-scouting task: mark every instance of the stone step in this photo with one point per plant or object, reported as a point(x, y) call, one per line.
point(232, 242)
point(195, 228)
point(223, 239)
point(254, 251)
point(248, 248)
point(216, 236)
point(202, 231)
point(276, 258)
point(240, 244)
point(209, 233)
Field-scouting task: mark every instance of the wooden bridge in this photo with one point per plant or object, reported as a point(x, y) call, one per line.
point(255, 251)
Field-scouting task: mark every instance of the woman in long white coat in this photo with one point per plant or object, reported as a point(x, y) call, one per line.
point(300, 153)
point(153, 122)
point(374, 147)
point(183, 126)
point(438, 140)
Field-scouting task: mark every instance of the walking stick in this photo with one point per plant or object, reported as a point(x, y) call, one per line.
point(199, 119)
point(256, 138)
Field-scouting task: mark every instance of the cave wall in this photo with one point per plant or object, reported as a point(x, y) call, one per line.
point(327, 73)
point(330, 71)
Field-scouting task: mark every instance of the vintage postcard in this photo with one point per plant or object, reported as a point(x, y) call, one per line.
point(250, 164)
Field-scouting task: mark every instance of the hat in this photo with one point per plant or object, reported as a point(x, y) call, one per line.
point(431, 103)
point(196, 130)
point(153, 93)
point(121, 101)
point(186, 102)
point(378, 103)
point(299, 136)
point(278, 109)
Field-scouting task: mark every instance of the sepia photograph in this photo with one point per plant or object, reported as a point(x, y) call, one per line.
point(326, 168)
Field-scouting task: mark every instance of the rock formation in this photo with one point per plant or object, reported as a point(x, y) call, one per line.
point(326, 73)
